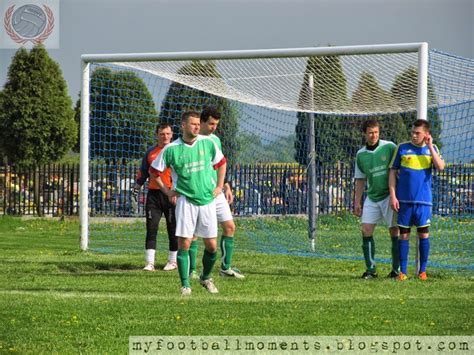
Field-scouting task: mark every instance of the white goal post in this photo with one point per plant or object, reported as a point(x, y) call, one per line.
point(87, 59)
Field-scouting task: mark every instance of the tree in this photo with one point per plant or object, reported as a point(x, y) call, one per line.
point(122, 116)
point(329, 94)
point(405, 89)
point(370, 96)
point(36, 117)
point(181, 98)
point(253, 150)
point(77, 119)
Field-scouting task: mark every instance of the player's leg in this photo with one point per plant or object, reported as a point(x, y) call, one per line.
point(206, 228)
point(183, 264)
point(193, 252)
point(169, 212)
point(224, 217)
point(186, 219)
point(422, 221)
point(370, 216)
point(153, 215)
point(404, 221)
point(390, 218)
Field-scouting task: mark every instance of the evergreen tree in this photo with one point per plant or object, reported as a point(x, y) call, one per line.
point(405, 89)
point(329, 94)
point(77, 119)
point(122, 116)
point(181, 98)
point(370, 96)
point(36, 116)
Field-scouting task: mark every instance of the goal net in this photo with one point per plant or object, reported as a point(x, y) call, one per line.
point(286, 189)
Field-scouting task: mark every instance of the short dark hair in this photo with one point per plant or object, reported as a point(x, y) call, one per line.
point(210, 111)
point(371, 123)
point(163, 125)
point(185, 116)
point(422, 123)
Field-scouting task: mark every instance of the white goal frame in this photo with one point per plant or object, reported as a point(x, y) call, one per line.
point(87, 59)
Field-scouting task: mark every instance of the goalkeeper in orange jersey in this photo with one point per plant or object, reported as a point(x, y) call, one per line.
point(157, 203)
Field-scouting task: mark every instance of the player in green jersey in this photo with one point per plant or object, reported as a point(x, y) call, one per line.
point(210, 118)
point(372, 162)
point(193, 160)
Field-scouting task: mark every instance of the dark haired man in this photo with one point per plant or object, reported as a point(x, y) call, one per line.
point(410, 196)
point(372, 162)
point(157, 203)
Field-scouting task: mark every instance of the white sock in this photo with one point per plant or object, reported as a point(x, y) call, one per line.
point(150, 256)
point(172, 256)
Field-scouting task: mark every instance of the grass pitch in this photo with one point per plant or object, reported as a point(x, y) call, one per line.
point(55, 298)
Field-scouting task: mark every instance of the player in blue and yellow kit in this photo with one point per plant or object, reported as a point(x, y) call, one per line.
point(411, 195)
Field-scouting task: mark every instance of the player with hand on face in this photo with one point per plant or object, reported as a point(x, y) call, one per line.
point(411, 195)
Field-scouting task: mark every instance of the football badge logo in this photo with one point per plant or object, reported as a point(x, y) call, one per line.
point(28, 23)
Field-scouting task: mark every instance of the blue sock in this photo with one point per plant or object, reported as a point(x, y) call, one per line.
point(403, 248)
point(424, 252)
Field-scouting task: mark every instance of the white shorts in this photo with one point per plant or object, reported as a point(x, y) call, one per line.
point(223, 209)
point(375, 212)
point(193, 220)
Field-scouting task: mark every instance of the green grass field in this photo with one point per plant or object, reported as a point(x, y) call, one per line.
point(55, 298)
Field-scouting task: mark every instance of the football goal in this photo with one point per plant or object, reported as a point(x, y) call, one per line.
point(290, 128)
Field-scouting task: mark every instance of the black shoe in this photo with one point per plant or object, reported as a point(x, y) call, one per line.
point(368, 275)
point(392, 275)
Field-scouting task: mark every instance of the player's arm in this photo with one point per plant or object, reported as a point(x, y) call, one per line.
point(360, 180)
point(228, 193)
point(140, 179)
point(219, 162)
point(167, 191)
point(359, 189)
point(157, 168)
point(438, 162)
point(392, 183)
point(221, 169)
point(392, 179)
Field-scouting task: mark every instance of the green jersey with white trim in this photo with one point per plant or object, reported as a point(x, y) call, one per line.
point(216, 140)
point(192, 168)
point(373, 165)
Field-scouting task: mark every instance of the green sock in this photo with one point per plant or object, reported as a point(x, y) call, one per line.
point(227, 248)
point(368, 246)
point(183, 267)
point(193, 252)
point(208, 261)
point(395, 255)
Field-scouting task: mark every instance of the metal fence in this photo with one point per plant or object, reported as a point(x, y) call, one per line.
point(47, 190)
point(261, 189)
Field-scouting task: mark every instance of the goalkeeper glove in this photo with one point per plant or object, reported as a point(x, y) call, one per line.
point(135, 193)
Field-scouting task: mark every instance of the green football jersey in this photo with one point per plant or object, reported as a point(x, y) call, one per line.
point(192, 168)
point(373, 165)
point(216, 140)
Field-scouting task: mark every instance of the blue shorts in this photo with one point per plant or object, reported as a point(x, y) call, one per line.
point(414, 215)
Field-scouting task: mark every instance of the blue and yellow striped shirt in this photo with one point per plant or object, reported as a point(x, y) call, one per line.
point(415, 173)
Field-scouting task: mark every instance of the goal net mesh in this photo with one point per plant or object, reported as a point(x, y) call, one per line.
point(265, 104)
